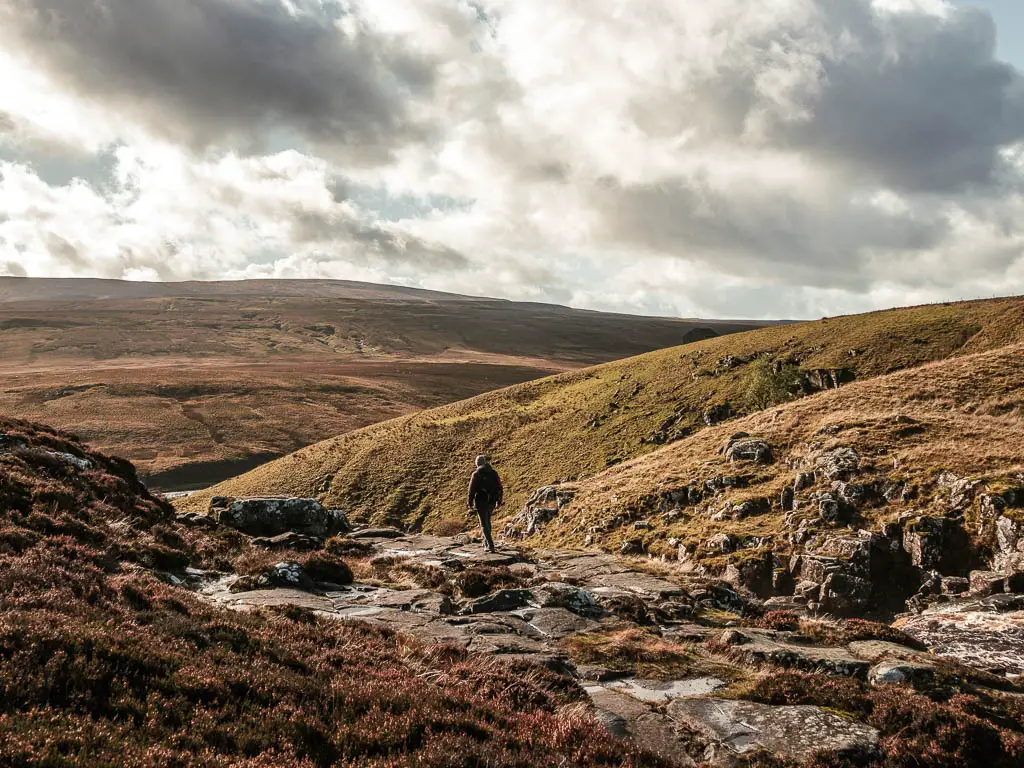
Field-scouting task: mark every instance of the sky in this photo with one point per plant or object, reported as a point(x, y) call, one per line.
point(778, 159)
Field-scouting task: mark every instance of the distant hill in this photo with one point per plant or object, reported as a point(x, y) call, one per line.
point(413, 470)
point(196, 382)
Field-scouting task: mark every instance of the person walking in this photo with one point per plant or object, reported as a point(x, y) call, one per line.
point(485, 495)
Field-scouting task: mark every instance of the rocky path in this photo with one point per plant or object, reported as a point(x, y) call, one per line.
point(661, 656)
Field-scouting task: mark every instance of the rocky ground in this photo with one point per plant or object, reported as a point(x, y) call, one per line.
point(693, 668)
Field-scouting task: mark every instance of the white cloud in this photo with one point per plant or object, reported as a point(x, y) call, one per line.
point(784, 158)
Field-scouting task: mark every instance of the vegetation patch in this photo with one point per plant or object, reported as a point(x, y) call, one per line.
point(936, 730)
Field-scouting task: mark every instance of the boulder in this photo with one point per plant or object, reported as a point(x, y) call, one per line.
point(985, 583)
point(838, 463)
point(955, 585)
point(632, 547)
point(937, 544)
point(751, 508)
point(717, 414)
point(793, 732)
point(722, 542)
point(556, 594)
point(287, 574)
point(196, 520)
point(753, 573)
point(787, 499)
point(757, 451)
point(804, 480)
point(268, 517)
point(829, 508)
point(900, 672)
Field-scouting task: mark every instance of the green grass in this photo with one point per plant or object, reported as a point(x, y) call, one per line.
point(413, 470)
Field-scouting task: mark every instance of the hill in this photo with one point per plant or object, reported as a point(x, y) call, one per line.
point(107, 659)
point(412, 471)
point(196, 382)
point(932, 441)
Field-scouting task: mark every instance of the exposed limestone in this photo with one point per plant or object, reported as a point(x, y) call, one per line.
point(792, 732)
point(594, 595)
point(987, 633)
point(838, 463)
point(753, 450)
point(541, 508)
point(900, 673)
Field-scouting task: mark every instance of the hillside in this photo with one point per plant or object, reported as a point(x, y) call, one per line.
point(920, 439)
point(133, 636)
point(196, 382)
point(412, 471)
point(104, 662)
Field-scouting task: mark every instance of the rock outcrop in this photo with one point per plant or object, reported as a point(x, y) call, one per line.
point(270, 517)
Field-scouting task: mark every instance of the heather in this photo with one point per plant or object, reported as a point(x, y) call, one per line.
point(104, 663)
point(947, 726)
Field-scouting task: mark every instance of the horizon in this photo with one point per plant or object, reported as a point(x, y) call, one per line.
point(726, 319)
point(817, 160)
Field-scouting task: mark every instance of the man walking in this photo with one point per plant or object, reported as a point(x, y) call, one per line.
point(485, 495)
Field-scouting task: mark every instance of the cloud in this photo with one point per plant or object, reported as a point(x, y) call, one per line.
point(785, 158)
point(213, 72)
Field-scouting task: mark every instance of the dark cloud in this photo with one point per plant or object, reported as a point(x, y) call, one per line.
point(224, 71)
point(368, 243)
point(922, 105)
point(912, 101)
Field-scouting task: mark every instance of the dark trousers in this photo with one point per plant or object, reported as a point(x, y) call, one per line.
point(484, 513)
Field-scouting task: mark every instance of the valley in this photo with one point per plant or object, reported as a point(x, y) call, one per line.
point(196, 382)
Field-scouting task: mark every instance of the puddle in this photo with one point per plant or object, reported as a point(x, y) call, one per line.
point(658, 692)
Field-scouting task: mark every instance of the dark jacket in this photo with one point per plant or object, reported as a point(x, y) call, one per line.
point(485, 490)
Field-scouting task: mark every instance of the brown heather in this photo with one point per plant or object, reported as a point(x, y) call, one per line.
point(102, 664)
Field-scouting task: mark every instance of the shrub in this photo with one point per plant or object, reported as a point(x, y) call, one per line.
point(480, 581)
point(918, 730)
point(327, 568)
point(782, 621)
point(768, 384)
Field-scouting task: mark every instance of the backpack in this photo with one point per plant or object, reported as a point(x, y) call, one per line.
point(489, 489)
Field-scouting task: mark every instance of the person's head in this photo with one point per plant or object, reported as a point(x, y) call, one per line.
point(482, 461)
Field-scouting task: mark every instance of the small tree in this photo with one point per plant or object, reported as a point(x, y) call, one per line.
point(769, 384)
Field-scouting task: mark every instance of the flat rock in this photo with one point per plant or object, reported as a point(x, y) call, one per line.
point(502, 600)
point(796, 732)
point(557, 623)
point(376, 533)
point(763, 648)
point(423, 600)
point(266, 598)
point(626, 717)
point(982, 633)
point(661, 692)
point(875, 650)
point(640, 584)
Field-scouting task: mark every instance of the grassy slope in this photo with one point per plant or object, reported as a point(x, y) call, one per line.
point(413, 469)
point(963, 415)
point(102, 664)
point(197, 382)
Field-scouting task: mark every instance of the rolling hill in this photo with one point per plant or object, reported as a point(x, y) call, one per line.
point(412, 471)
point(196, 382)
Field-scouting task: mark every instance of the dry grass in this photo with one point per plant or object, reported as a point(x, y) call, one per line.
point(197, 383)
point(963, 415)
point(413, 470)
